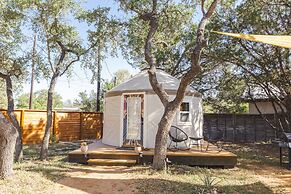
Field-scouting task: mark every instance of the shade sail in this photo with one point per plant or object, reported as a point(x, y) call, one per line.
point(276, 40)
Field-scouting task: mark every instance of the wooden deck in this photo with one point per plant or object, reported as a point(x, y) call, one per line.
point(193, 157)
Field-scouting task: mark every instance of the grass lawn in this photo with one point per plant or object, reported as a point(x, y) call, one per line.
point(258, 171)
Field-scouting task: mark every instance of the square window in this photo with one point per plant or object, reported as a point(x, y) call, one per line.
point(184, 114)
point(185, 106)
point(184, 117)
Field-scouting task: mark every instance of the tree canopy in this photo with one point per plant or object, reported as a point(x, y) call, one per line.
point(39, 99)
point(171, 44)
point(258, 65)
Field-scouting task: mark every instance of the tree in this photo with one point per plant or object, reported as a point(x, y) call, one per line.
point(264, 67)
point(108, 85)
point(8, 135)
point(171, 43)
point(222, 90)
point(12, 60)
point(106, 35)
point(86, 102)
point(39, 99)
point(3, 99)
point(121, 75)
point(32, 72)
point(150, 15)
point(10, 105)
point(63, 49)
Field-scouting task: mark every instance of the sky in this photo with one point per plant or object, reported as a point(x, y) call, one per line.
point(80, 80)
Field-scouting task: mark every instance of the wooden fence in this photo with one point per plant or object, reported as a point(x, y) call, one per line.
point(67, 126)
point(71, 126)
point(240, 127)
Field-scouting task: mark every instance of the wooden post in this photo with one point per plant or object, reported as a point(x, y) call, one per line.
point(277, 126)
point(217, 125)
point(255, 127)
point(245, 129)
point(266, 130)
point(101, 115)
point(81, 126)
point(54, 123)
point(22, 120)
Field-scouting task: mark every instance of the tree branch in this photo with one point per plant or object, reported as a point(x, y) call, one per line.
point(3, 76)
point(196, 53)
point(202, 7)
point(49, 54)
point(149, 57)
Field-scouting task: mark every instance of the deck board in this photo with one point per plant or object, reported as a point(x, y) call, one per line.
point(193, 157)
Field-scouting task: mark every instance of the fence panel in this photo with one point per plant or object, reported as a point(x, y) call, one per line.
point(91, 125)
point(240, 127)
point(33, 126)
point(70, 126)
point(67, 126)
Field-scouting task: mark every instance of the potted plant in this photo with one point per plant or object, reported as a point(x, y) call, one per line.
point(84, 147)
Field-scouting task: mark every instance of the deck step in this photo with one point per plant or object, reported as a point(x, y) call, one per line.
point(113, 156)
point(111, 162)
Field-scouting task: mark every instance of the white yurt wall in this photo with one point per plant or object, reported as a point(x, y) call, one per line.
point(153, 109)
point(112, 121)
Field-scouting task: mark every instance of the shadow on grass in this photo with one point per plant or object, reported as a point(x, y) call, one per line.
point(256, 154)
point(93, 185)
point(56, 165)
point(57, 149)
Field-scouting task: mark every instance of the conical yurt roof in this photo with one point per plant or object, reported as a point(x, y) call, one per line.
point(140, 83)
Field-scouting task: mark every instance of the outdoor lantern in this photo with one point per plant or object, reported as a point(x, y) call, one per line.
point(84, 147)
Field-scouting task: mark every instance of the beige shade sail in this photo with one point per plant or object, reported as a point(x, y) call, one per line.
point(276, 40)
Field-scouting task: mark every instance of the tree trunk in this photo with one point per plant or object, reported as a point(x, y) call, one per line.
point(171, 107)
point(8, 135)
point(288, 112)
point(46, 138)
point(32, 73)
point(159, 162)
point(98, 78)
point(98, 107)
point(10, 112)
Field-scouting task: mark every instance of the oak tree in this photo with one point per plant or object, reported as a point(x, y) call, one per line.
point(149, 12)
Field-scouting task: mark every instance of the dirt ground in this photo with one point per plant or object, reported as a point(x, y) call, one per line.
point(116, 179)
point(257, 171)
point(97, 180)
point(274, 177)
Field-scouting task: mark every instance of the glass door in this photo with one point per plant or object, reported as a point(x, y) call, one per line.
point(133, 120)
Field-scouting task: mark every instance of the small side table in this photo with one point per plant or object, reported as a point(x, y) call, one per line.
point(288, 146)
point(196, 141)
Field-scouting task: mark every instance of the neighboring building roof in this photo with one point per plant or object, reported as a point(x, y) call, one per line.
point(74, 109)
point(140, 83)
point(258, 94)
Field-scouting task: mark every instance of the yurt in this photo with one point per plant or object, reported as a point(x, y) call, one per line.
point(132, 111)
